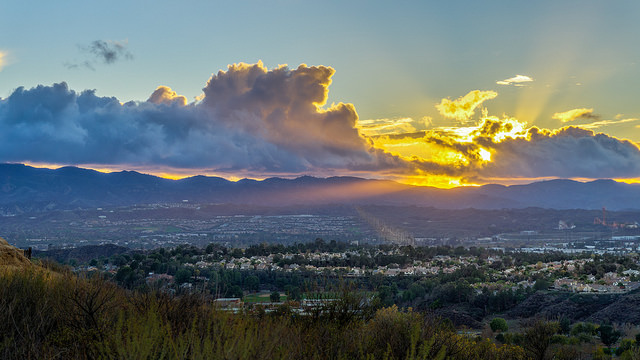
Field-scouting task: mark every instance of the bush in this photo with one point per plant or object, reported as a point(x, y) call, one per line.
point(498, 324)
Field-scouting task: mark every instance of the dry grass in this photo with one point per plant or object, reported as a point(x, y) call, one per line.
point(12, 258)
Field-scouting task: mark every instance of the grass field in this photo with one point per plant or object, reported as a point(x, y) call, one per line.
point(261, 297)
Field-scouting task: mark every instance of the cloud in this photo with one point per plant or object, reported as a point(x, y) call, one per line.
point(375, 127)
point(506, 148)
point(254, 121)
point(599, 124)
point(518, 80)
point(251, 120)
point(104, 52)
point(2, 60)
point(109, 51)
point(574, 114)
point(463, 107)
point(569, 152)
point(164, 95)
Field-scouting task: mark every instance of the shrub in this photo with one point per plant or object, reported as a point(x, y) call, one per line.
point(499, 324)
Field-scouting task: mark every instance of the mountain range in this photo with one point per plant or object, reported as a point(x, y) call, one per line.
point(27, 189)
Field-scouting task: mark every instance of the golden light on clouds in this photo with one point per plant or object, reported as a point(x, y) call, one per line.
point(571, 115)
point(2, 59)
point(385, 126)
point(464, 107)
point(164, 95)
point(485, 155)
point(505, 149)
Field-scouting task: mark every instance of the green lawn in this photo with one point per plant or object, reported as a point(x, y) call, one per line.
point(261, 297)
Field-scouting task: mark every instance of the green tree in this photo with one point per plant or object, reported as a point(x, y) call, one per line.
point(182, 276)
point(275, 296)
point(608, 335)
point(541, 284)
point(252, 282)
point(498, 324)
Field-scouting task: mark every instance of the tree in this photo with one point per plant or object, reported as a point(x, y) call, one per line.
point(252, 282)
point(182, 276)
point(538, 338)
point(498, 324)
point(608, 335)
point(275, 296)
point(541, 284)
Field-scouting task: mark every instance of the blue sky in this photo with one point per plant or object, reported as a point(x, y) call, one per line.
point(392, 60)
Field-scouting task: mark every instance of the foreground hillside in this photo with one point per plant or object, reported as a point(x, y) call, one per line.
point(28, 189)
point(120, 314)
point(76, 318)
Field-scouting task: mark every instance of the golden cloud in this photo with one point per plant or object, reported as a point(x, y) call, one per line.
point(376, 127)
point(505, 148)
point(164, 95)
point(463, 107)
point(599, 124)
point(571, 115)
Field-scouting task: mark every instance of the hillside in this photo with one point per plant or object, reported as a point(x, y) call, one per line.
point(12, 258)
point(616, 308)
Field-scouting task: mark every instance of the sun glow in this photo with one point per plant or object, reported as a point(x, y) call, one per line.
point(485, 155)
point(442, 182)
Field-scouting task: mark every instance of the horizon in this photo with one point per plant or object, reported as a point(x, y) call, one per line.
point(298, 176)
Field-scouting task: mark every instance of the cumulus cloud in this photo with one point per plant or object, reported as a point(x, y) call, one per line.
point(101, 51)
point(164, 95)
point(251, 120)
point(463, 107)
point(518, 80)
point(574, 114)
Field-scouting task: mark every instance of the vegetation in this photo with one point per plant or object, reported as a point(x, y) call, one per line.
point(498, 324)
point(119, 314)
point(58, 315)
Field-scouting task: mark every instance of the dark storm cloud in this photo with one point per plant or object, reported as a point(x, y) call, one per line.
point(251, 119)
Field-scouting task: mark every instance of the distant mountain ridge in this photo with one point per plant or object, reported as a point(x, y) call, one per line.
point(26, 189)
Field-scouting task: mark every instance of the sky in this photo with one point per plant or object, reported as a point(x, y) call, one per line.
point(442, 93)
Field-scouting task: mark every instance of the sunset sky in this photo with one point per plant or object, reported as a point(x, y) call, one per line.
point(433, 93)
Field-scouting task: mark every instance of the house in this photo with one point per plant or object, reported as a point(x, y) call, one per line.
point(232, 304)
